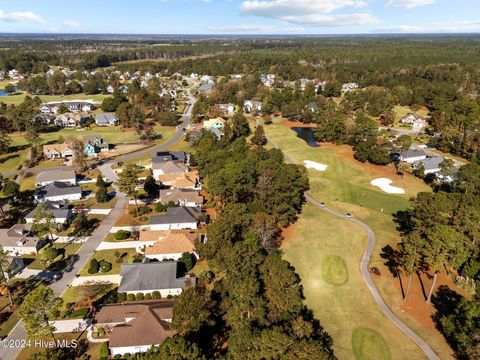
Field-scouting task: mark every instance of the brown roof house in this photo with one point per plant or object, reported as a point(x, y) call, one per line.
point(181, 197)
point(182, 180)
point(57, 151)
point(135, 327)
point(168, 245)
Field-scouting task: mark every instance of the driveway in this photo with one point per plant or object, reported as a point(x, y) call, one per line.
point(67, 326)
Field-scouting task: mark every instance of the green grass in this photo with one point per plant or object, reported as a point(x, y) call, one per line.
point(334, 270)
point(18, 98)
point(109, 255)
point(12, 161)
point(69, 248)
point(401, 111)
point(345, 186)
point(369, 345)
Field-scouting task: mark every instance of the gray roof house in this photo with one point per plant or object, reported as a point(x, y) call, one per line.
point(58, 191)
point(106, 119)
point(57, 175)
point(18, 240)
point(99, 143)
point(177, 218)
point(60, 213)
point(412, 155)
point(154, 276)
point(430, 164)
point(165, 156)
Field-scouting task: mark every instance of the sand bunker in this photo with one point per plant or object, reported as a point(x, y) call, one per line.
point(384, 184)
point(314, 165)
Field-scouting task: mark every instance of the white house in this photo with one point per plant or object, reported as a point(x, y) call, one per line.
point(417, 122)
point(431, 165)
point(228, 109)
point(347, 87)
point(58, 192)
point(60, 213)
point(177, 218)
point(412, 155)
point(57, 175)
point(146, 278)
point(19, 240)
point(181, 197)
point(252, 105)
point(168, 167)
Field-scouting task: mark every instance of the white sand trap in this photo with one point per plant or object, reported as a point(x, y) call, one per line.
point(384, 184)
point(314, 165)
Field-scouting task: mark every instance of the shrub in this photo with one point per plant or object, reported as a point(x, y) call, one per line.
point(131, 297)
point(159, 207)
point(100, 331)
point(188, 260)
point(169, 296)
point(50, 253)
point(118, 356)
point(69, 305)
point(156, 295)
point(94, 267)
point(148, 296)
point(103, 351)
point(140, 296)
point(122, 235)
point(105, 266)
point(121, 297)
point(80, 313)
point(58, 258)
point(144, 210)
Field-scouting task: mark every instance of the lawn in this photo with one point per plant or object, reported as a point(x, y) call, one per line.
point(69, 248)
point(18, 98)
point(321, 260)
point(12, 161)
point(109, 255)
point(401, 111)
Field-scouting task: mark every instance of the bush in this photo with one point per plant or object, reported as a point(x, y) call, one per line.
point(105, 266)
point(50, 253)
point(94, 267)
point(122, 235)
point(100, 331)
point(188, 260)
point(103, 351)
point(159, 207)
point(80, 313)
point(148, 296)
point(118, 356)
point(156, 295)
point(69, 305)
point(58, 258)
point(121, 297)
point(131, 297)
point(140, 296)
point(169, 296)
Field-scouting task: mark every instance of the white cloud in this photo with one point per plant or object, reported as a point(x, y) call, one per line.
point(19, 16)
point(310, 12)
point(71, 24)
point(410, 4)
point(436, 27)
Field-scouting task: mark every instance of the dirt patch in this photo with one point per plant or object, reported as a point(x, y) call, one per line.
point(121, 150)
point(292, 124)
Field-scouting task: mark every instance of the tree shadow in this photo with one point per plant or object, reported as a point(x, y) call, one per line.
point(392, 261)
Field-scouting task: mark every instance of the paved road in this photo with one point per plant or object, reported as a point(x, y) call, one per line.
point(87, 249)
point(364, 269)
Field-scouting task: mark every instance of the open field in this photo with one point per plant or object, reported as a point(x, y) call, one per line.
point(318, 243)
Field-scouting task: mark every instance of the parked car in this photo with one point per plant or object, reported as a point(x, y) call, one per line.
point(322, 204)
point(348, 215)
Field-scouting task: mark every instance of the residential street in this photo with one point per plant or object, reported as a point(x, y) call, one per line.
point(88, 248)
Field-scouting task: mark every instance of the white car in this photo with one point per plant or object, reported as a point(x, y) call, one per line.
point(348, 215)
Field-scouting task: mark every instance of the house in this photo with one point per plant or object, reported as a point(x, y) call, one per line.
point(43, 118)
point(177, 218)
point(207, 79)
point(58, 191)
point(13, 266)
point(168, 167)
point(412, 155)
point(227, 109)
point(312, 106)
point(416, 121)
point(123, 89)
point(217, 123)
point(267, 79)
point(168, 245)
point(98, 144)
point(74, 106)
point(216, 132)
point(146, 278)
point(185, 180)
point(205, 88)
point(19, 240)
point(57, 151)
point(164, 156)
point(430, 164)
point(60, 213)
point(106, 119)
point(347, 87)
point(237, 76)
point(252, 106)
point(319, 87)
point(181, 197)
point(110, 89)
point(135, 327)
point(57, 175)
point(71, 120)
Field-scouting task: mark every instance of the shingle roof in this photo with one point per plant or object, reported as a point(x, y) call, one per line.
point(174, 243)
point(170, 156)
point(58, 213)
point(148, 326)
point(55, 175)
point(431, 163)
point(180, 215)
point(106, 118)
point(176, 195)
point(57, 188)
point(411, 153)
point(151, 276)
point(170, 167)
point(10, 237)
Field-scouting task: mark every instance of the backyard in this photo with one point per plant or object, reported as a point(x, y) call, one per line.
point(125, 256)
point(326, 250)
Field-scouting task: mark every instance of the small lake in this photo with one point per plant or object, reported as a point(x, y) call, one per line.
point(307, 134)
point(3, 93)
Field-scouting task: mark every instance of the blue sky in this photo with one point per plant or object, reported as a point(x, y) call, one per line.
point(239, 16)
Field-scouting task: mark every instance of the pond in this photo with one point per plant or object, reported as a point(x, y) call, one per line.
point(3, 93)
point(307, 134)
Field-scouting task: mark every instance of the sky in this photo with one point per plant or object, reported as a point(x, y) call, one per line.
point(239, 16)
